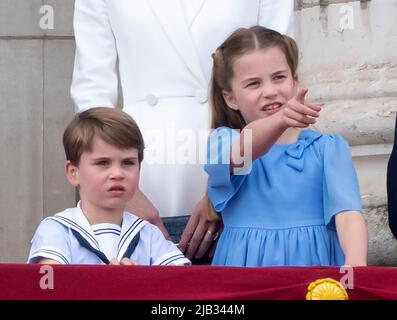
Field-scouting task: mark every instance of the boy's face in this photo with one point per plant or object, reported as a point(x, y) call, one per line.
point(108, 176)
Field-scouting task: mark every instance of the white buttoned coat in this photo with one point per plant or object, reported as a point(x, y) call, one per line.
point(164, 65)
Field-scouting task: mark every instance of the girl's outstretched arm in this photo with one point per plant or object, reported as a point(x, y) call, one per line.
point(353, 237)
point(264, 132)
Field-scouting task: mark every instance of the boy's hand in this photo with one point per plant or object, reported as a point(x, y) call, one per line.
point(297, 113)
point(123, 262)
point(128, 262)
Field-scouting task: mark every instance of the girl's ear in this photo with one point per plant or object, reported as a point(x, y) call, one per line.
point(230, 99)
point(72, 173)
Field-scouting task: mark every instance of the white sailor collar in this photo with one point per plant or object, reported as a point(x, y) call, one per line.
point(75, 219)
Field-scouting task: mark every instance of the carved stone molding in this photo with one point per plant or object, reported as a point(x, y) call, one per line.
point(302, 4)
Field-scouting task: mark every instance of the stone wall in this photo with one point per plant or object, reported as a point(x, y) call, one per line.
point(35, 73)
point(349, 62)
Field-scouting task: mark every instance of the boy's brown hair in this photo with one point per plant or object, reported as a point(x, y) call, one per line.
point(112, 125)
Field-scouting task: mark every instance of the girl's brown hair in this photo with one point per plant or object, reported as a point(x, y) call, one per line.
point(240, 42)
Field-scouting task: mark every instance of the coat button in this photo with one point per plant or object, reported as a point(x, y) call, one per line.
point(201, 96)
point(151, 99)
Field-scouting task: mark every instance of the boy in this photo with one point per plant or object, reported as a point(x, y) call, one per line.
point(104, 151)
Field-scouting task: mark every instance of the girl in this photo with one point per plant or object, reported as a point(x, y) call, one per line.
point(298, 202)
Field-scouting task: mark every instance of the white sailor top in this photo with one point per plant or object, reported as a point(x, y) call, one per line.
point(68, 238)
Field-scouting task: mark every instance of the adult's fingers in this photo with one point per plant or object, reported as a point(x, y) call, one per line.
point(215, 241)
point(196, 238)
point(208, 239)
point(188, 232)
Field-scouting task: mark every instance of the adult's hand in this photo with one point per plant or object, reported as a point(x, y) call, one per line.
point(201, 234)
point(141, 206)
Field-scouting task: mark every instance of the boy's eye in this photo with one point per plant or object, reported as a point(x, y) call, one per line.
point(129, 162)
point(101, 163)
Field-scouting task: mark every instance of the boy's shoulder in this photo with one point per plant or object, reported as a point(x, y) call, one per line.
point(148, 231)
point(69, 216)
point(53, 226)
point(132, 219)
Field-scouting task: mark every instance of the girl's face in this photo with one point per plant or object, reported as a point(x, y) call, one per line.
point(261, 85)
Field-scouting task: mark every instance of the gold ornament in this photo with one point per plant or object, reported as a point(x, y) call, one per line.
point(326, 289)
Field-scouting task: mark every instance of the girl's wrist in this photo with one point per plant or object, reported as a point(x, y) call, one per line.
point(281, 120)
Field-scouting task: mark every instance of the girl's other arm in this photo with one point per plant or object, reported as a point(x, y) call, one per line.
point(352, 232)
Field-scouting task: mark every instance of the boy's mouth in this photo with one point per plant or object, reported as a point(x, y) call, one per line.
point(117, 188)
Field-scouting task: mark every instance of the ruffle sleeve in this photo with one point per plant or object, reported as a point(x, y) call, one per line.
point(222, 182)
point(341, 190)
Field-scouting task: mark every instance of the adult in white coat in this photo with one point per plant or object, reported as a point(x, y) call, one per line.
point(161, 50)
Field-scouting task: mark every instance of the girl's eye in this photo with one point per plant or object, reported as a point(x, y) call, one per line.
point(253, 83)
point(279, 77)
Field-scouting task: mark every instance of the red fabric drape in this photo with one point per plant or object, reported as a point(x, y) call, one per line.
point(19, 281)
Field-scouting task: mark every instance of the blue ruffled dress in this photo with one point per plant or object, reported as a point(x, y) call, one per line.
point(282, 212)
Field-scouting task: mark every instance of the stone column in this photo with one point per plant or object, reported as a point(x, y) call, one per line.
point(35, 74)
point(349, 62)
